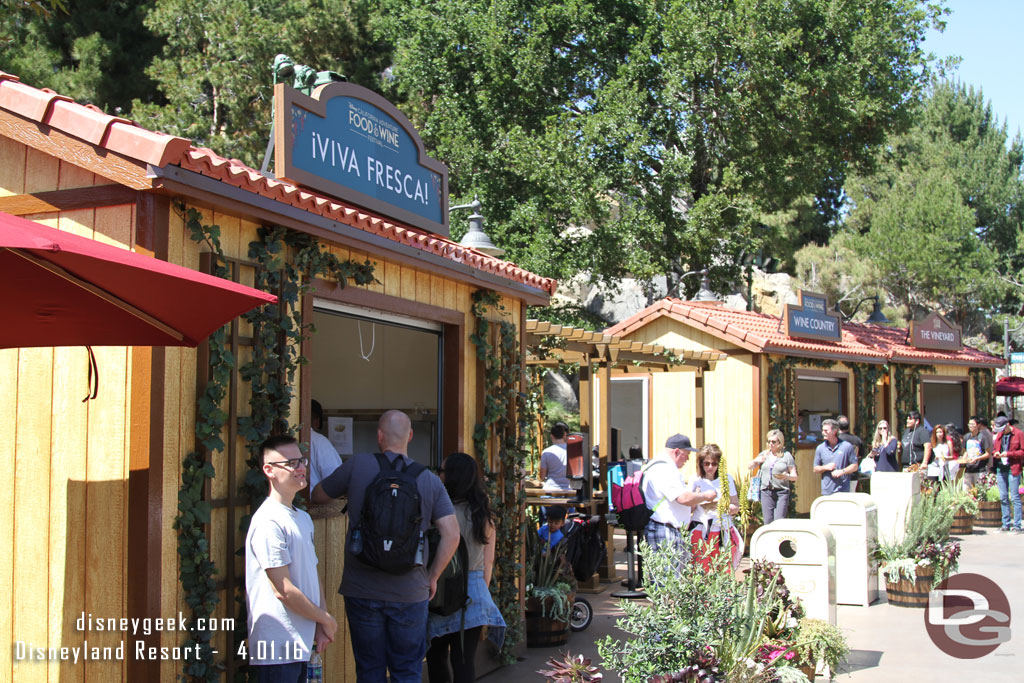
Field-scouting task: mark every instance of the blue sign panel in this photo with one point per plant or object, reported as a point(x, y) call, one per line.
point(1017, 357)
point(812, 319)
point(351, 143)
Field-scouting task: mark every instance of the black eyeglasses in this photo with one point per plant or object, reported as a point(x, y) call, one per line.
point(291, 463)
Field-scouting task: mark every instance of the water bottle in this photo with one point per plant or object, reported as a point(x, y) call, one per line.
point(420, 559)
point(356, 543)
point(315, 670)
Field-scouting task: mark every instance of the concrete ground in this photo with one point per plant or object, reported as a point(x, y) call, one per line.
point(888, 644)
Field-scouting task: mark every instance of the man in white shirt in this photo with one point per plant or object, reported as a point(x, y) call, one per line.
point(323, 457)
point(285, 599)
point(669, 497)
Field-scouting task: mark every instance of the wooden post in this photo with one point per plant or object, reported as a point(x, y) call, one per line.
point(606, 570)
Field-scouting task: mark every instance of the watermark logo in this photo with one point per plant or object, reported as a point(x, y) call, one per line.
point(967, 616)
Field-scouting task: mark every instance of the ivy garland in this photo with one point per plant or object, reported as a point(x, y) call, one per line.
point(907, 385)
point(505, 420)
point(196, 568)
point(984, 382)
point(782, 408)
point(865, 379)
point(277, 336)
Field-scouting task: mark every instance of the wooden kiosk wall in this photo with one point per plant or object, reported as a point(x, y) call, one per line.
point(86, 523)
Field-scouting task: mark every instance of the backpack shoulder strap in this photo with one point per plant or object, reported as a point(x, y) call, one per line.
point(383, 462)
point(644, 469)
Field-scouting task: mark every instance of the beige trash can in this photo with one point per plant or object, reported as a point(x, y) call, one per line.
point(806, 553)
point(895, 494)
point(853, 520)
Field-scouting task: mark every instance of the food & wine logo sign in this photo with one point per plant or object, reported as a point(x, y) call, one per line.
point(351, 143)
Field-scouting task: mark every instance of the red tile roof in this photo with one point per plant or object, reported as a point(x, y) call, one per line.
point(148, 147)
point(758, 332)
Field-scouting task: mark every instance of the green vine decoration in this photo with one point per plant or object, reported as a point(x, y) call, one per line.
point(984, 383)
point(907, 385)
point(865, 380)
point(278, 332)
point(504, 422)
point(782, 407)
point(196, 568)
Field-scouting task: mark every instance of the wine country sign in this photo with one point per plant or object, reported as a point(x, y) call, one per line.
point(811, 319)
point(935, 332)
point(351, 143)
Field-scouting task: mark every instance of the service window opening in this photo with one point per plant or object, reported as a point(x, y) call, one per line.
point(365, 362)
point(818, 399)
point(944, 402)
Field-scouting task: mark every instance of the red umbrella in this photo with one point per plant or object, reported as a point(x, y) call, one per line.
point(1010, 386)
point(60, 289)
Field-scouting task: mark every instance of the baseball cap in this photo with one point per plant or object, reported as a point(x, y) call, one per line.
point(680, 441)
point(1001, 422)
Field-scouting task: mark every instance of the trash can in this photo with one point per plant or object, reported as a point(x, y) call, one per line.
point(806, 553)
point(895, 493)
point(853, 520)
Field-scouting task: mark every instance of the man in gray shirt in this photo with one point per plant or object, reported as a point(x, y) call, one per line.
point(834, 460)
point(387, 613)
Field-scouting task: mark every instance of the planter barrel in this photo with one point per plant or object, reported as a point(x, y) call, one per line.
point(809, 670)
point(963, 523)
point(904, 593)
point(989, 514)
point(543, 631)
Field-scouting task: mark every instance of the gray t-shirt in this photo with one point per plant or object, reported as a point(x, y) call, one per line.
point(553, 460)
point(843, 455)
point(360, 580)
point(279, 536)
point(773, 468)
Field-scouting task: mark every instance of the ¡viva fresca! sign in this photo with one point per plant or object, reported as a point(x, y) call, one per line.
point(812, 319)
point(351, 143)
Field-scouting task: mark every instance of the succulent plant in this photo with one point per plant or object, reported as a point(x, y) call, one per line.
point(704, 669)
point(570, 669)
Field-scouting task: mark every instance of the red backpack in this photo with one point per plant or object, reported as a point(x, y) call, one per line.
point(629, 502)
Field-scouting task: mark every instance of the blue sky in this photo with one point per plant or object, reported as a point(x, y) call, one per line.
point(988, 36)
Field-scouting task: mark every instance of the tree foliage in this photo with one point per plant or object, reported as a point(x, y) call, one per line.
point(940, 217)
point(94, 52)
point(667, 128)
point(214, 69)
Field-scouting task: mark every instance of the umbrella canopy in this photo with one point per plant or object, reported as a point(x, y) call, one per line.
point(60, 289)
point(1010, 386)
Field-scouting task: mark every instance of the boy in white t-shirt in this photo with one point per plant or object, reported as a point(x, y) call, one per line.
point(285, 599)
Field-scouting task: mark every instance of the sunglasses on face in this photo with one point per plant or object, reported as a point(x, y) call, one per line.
point(774, 441)
point(291, 463)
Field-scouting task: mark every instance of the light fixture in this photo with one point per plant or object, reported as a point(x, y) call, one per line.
point(705, 293)
point(876, 317)
point(475, 237)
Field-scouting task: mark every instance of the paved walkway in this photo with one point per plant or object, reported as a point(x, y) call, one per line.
point(889, 644)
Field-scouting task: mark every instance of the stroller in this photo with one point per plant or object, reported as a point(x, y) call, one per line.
point(584, 549)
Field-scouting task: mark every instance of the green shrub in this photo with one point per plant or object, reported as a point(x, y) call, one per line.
point(689, 610)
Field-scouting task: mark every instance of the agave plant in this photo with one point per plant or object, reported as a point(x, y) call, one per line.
point(569, 669)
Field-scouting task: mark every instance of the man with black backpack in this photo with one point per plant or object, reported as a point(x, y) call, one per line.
point(392, 501)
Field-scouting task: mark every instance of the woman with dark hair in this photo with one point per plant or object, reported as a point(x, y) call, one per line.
point(454, 638)
point(939, 459)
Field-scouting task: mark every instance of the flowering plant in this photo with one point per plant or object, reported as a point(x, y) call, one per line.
point(776, 649)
